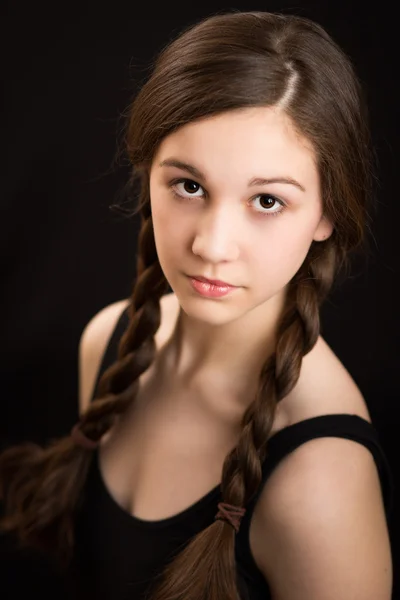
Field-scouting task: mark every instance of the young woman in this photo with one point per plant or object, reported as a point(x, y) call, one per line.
point(223, 450)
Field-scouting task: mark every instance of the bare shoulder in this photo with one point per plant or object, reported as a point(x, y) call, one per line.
point(324, 386)
point(97, 333)
point(320, 511)
point(322, 508)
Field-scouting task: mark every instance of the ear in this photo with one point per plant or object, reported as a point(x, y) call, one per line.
point(324, 230)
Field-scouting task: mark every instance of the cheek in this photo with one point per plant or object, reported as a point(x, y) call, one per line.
point(171, 223)
point(168, 237)
point(160, 214)
point(165, 223)
point(162, 210)
point(282, 256)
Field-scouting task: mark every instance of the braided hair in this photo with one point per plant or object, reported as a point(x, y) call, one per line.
point(224, 62)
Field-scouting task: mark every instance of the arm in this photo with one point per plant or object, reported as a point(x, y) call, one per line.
point(321, 526)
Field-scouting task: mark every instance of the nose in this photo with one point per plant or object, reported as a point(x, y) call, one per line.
point(216, 237)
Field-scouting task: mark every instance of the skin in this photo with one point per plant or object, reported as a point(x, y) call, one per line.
point(176, 441)
point(219, 227)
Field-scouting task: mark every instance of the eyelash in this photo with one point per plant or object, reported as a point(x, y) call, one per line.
point(267, 213)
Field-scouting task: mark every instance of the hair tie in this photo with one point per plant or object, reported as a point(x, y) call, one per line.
point(231, 514)
point(81, 439)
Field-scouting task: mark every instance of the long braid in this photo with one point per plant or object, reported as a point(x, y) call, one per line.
point(242, 471)
point(297, 335)
point(42, 487)
point(118, 386)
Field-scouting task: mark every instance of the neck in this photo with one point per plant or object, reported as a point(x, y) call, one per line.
point(203, 356)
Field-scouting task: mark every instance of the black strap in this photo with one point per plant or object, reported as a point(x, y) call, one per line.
point(352, 427)
point(111, 352)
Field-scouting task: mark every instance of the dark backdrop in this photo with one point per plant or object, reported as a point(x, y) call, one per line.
point(69, 72)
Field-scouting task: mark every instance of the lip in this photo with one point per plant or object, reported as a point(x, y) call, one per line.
point(208, 290)
point(217, 282)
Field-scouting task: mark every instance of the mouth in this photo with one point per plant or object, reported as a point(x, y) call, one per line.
point(216, 282)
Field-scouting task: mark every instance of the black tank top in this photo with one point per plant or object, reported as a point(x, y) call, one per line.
point(118, 555)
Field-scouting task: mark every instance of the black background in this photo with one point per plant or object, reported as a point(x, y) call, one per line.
point(69, 72)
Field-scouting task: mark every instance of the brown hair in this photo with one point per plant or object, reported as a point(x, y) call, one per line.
point(227, 61)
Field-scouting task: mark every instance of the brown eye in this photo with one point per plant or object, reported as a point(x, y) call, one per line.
point(190, 186)
point(268, 201)
point(270, 205)
point(186, 188)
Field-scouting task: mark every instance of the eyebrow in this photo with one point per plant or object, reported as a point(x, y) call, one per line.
point(174, 162)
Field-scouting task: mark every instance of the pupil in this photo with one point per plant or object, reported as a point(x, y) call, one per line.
point(190, 183)
point(269, 201)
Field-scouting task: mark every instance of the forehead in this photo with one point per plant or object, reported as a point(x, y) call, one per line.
point(261, 139)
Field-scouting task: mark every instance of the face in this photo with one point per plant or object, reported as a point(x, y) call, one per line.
point(215, 220)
